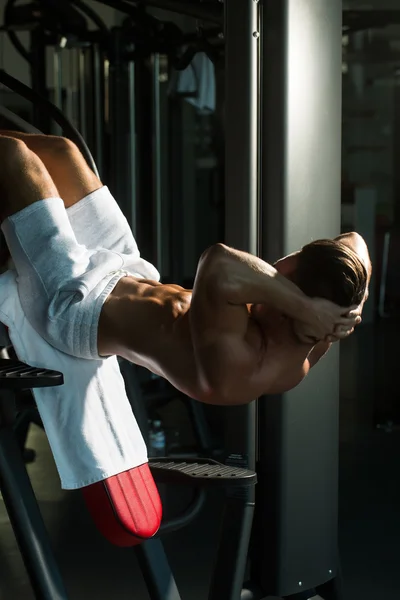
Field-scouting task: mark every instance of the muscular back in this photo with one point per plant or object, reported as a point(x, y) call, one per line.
point(213, 352)
point(285, 359)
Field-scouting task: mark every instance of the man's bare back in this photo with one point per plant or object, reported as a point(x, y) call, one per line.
point(255, 342)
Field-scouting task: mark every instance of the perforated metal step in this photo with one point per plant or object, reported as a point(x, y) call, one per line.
point(16, 375)
point(203, 471)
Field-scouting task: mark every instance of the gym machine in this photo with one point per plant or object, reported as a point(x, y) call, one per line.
point(294, 552)
point(282, 165)
point(125, 507)
point(282, 97)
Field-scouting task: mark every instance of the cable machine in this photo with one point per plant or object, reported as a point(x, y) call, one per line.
point(282, 89)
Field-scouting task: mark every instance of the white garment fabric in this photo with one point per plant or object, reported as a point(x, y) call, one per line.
point(62, 283)
point(89, 422)
point(199, 78)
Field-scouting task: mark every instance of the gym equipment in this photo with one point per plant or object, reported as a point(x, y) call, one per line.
point(16, 489)
point(105, 83)
point(126, 508)
point(282, 90)
point(280, 118)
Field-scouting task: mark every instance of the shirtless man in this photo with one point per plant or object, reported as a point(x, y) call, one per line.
point(246, 329)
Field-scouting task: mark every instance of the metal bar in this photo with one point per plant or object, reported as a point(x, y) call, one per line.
point(19, 123)
point(58, 83)
point(200, 425)
point(132, 146)
point(358, 20)
point(71, 111)
point(58, 78)
point(99, 112)
point(212, 13)
point(395, 152)
point(135, 396)
point(230, 566)
point(188, 516)
point(175, 192)
point(119, 116)
point(38, 77)
point(156, 571)
point(82, 93)
point(384, 274)
point(27, 521)
point(242, 175)
point(295, 546)
point(157, 195)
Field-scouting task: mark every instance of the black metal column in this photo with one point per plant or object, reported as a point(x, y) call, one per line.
point(144, 158)
point(241, 176)
point(38, 78)
point(231, 560)
point(156, 571)
point(295, 548)
point(99, 106)
point(26, 519)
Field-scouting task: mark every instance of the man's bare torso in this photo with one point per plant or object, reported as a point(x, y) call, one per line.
point(277, 359)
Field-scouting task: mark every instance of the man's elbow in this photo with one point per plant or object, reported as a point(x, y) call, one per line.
point(216, 398)
point(222, 391)
point(217, 273)
point(215, 252)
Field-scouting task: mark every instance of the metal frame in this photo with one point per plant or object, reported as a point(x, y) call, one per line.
point(242, 154)
point(18, 122)
point(27, 521)
point(21, 504)
point(190, 8)
point(121, 175)
point(156, 570)
point(99, 106)
point(297, 495)
point(295, 543)
point(242, 187)
point(38, 43)
point(361, 20)
point(157, 166)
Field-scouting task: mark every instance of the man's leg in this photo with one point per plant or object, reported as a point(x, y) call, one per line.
point(95, 216)
point(67, 167)
point(24, 179)
point(62, 284)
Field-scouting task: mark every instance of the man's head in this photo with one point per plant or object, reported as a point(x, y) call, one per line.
point(332, 270)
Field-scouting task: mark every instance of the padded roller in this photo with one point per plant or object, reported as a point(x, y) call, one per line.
point(125, 508)
point(202, 472)
point(16, 375)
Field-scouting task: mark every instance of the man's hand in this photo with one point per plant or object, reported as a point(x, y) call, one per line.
point(327, 321)
point(343, 331)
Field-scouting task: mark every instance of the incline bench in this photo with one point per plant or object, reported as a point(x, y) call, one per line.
point(126, 508)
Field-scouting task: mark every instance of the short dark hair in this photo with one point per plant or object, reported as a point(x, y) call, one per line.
point(332, 270)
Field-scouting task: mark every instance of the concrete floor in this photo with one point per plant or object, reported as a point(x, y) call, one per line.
point(369, 505)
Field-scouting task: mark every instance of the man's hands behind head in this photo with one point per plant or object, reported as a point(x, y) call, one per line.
point(326, 321)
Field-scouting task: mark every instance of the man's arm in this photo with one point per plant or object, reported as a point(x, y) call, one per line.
point(318, 352)
point(246, 279)
point(226, 281)
point(225, 358)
